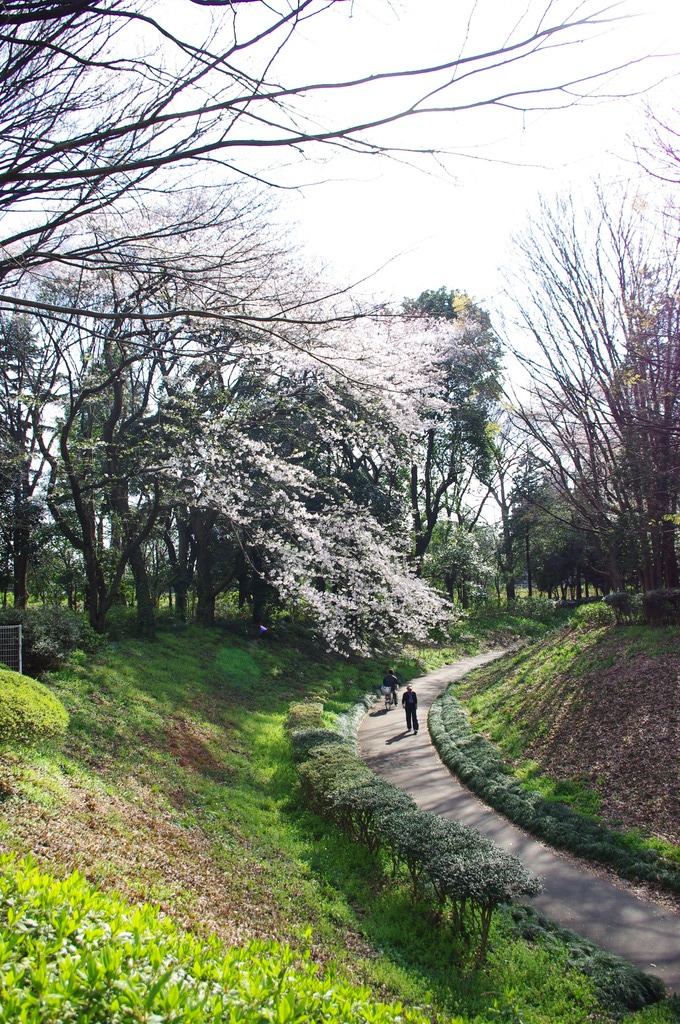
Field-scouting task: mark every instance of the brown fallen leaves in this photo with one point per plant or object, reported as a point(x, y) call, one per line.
point(611, 717)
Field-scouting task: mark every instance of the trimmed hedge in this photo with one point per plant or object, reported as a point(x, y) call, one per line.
point(662, 607)
point(478, 763)
point(29, 713)
point(466, 873)
point(303, 741)
point(621, 604)
point(304, 715)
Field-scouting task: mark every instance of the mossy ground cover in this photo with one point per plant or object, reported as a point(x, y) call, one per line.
point(591, 718)
point(175, 785)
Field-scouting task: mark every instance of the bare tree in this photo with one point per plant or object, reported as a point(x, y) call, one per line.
point(602, 396)
point(659, 154)
point(104, 105)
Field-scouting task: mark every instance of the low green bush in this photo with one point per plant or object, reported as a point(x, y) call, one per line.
point(621, 604)
point(50, 635)
point(358, 810)
point(661, 607)
point(620, 986)
point(478, 763)
point(472, 877)
point(28, 711)
point(303, 741)
point(72, 954)
point(538, 608)
point(406, 835)
point(593, 616)
point(305, 715)
point(328, 770)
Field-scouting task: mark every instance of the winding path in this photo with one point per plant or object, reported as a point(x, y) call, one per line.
point(609, 914)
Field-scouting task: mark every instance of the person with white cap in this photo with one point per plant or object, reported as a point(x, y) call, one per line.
point(409, 702)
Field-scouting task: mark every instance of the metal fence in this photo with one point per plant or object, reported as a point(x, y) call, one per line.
point(10, 647)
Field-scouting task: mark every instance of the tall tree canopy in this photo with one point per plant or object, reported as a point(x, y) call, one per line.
point(455, 446)
point(599, 297)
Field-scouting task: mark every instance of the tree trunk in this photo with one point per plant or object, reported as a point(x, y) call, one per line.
point(20, 543)
point(612, 569)
point(201, 525)
point(527, 555)
point(180, 563)
point(146, 623)
point(508, 562)
point(670, 558)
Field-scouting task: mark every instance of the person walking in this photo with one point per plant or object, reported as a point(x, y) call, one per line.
point(391, 680)
point(410, 704)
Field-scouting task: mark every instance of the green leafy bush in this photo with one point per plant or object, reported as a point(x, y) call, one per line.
point(359, 808)
point(538, 608)
point(28, 711)
point(662, 607)
point(619, 985)
point(72, 954)
point(50, 635)
point(472, 877)
point(593, 616)
point(406, 835)
point(329, 769)
point(303, 741)
point(621, 604)
point(305, 715)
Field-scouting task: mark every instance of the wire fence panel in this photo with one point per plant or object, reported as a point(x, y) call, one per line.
point(10, 647)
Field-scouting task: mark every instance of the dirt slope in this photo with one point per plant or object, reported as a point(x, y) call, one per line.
point(601, 707)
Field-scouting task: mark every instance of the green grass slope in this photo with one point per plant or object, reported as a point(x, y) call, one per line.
point(590, 718)
point(174, 787)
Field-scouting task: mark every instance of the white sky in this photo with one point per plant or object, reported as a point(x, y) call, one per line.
point(454, 231)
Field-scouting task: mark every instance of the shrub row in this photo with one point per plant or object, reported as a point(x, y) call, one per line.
point(662, 607)
point(438, 853)
point(466, 874)
point(621, 987)
point(72, 954)
point(478, 763)
point(659, 607)
point(28, 711)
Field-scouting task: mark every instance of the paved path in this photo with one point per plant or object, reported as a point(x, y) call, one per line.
point(608, 914)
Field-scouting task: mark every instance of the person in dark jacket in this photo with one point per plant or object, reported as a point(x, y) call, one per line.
point(410, 704)
point(391, 680)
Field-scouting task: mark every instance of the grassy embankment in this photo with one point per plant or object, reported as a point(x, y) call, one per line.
point(590, 718)
point(174, 785)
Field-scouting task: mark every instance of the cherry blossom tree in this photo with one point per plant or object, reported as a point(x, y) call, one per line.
point(269, 457)
point(316, 547)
